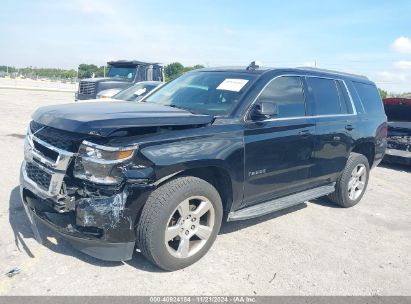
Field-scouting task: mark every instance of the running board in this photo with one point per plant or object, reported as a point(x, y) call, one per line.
point(280, 203)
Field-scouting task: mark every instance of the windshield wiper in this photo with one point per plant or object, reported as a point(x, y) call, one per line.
point(182, 108)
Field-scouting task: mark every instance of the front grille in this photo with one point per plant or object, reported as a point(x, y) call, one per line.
point(38, 176)
point(87, 88)
point(50, 154)
point(64, 140)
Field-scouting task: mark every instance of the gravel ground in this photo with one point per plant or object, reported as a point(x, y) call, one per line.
point(40, 84)
point(311, 249)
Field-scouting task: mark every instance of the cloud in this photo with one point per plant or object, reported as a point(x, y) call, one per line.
point(228, 31)
point(310, 64)
point(402, 45)
point(101, 8)
point(387, 76)
point(402, 65)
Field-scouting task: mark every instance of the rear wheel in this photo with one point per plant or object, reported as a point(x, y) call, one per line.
point(179, 222)
point(352, 183)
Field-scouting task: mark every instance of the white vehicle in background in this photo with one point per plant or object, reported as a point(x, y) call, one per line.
point(133, 93)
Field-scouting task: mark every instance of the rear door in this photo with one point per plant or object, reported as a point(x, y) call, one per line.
point(334, 129)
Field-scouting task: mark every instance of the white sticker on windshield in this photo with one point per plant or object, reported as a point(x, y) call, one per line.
point(234, 85)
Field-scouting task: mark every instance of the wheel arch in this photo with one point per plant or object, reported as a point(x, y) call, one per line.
point(217, 176)
point(366, 148)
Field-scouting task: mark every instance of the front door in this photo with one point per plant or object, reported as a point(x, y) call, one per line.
point(279, 149)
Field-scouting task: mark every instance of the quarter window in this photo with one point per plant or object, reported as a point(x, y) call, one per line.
point(370, 98)
point(287, 93)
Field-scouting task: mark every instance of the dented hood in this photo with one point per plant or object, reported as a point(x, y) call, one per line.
point(106, 117)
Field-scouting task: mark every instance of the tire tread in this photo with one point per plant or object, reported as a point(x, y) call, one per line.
point(339, 196)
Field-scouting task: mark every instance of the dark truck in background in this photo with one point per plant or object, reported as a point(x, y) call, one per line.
point(213, 144)
point(398, 111)
point(120, 75)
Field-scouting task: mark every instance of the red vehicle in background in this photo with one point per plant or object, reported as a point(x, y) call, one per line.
point(398, 112)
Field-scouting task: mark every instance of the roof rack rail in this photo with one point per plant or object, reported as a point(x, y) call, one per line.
point(331, 71)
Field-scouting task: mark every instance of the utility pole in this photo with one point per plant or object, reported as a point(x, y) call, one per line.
point(104, 70)
point(7, 69)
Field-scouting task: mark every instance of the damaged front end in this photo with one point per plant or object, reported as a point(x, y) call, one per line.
point(79, 190)
point(399, 143)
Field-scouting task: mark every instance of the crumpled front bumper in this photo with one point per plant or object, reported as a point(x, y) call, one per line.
point(95, 248)
point(102, 227)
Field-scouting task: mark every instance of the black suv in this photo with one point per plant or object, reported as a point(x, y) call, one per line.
point(214, 144)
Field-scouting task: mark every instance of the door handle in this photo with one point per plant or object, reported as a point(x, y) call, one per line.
point(304, 133)
point(349, 127)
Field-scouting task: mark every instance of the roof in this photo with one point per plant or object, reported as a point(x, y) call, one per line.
point(304, 70)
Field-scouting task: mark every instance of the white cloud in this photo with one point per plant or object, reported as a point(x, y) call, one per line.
point(310, 64)
point(101, 8)
point(228, 31)
point(392, 76)
point(402, 65)
point(402, 45)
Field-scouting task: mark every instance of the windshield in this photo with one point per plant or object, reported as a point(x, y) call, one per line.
point(136, 92)
point(122, 72)
point(215, 93)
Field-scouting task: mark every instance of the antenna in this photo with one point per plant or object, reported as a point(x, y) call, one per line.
point(254, 65)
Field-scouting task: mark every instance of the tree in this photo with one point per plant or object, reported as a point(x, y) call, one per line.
point(197, 66)
point(383, 93)
point(87, 70)
point(173, 70)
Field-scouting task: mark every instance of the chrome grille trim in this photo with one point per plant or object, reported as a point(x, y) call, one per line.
point(57, 169)
point(87, 87)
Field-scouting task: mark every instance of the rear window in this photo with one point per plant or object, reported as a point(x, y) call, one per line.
point(370, 98)
point(328, 95)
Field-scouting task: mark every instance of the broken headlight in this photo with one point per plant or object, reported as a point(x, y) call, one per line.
point(101, 164)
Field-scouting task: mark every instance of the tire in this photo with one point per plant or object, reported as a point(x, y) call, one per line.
point(175, 209)
point(346, 194)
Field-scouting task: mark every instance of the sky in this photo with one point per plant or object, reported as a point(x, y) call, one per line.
point(371, 38)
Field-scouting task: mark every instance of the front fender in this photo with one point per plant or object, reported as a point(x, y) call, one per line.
point(221, 150)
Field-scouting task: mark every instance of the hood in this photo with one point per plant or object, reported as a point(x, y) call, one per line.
point(106, 117)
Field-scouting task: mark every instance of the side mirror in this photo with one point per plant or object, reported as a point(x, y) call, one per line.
point(266, 109)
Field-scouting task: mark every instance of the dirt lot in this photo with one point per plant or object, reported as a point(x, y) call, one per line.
point(311, 249)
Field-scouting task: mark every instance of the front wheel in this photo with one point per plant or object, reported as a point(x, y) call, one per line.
point(179, 223)
point(352, 183)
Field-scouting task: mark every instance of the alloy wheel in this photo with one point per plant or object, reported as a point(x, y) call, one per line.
point(357, 182)
point(189, 227)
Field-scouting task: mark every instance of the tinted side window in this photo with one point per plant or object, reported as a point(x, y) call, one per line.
point(288, 93)
point(370, 98)
point(327, 100)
